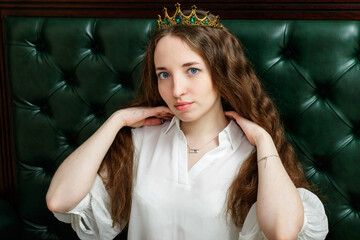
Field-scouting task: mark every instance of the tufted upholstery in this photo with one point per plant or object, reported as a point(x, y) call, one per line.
point(67, 76)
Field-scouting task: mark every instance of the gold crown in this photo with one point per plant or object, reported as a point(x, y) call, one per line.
point(192, 19)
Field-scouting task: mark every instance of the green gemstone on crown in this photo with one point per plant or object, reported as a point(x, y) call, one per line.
point(166, 21)
point(178, 18)
point(192, 19)
point(207, 21)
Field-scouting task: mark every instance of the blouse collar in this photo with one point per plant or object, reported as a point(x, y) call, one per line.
point(231, 132)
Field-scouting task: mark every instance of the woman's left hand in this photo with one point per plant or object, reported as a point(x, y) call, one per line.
point(252, 131)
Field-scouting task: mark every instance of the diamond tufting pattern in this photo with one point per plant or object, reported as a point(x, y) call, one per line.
point(66, 76)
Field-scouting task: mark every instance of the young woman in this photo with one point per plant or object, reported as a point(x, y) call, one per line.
point(201, 154)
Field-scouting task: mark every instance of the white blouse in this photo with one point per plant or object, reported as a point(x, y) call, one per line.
point(170, 202)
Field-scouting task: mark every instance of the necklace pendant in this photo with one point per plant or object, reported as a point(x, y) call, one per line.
point(191, 150)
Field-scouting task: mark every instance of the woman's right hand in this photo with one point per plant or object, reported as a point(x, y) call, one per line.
point(144, 116)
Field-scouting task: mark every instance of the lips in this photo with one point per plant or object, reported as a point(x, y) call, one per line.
point(181, 106)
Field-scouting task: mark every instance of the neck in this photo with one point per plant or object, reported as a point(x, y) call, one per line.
point(204, 128)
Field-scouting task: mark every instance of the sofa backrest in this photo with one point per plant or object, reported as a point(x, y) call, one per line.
point(67, 75)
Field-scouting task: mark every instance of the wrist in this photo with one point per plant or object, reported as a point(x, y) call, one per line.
point(118, 118)
point(262, 137)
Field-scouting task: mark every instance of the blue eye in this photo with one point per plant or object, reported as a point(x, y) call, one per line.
point(163, 75)
point(193, 71)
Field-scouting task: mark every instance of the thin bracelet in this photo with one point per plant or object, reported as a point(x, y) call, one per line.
point(266, 157)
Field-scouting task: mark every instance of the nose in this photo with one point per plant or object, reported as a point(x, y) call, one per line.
point(179, 86)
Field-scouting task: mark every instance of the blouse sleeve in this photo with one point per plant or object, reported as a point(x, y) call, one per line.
point(315, 225)
point(91, 218)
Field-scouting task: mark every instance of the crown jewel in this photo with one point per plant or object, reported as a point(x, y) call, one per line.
point(192, 19)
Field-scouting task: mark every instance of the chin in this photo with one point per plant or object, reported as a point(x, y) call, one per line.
point(186, 117)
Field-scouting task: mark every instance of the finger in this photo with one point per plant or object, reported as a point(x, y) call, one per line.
point(164, 109)
point(230, 117)
point(168, 111)
point(161, 111)
point(231, 114)
point(167, 118)
point(153, 112)
point(152, 122)
point(168, 115)
point(173, 114)
point(235, 116)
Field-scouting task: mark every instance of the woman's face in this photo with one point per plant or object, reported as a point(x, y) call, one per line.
point(184, 81)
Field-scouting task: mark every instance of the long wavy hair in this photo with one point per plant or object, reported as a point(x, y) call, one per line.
point(240, 91)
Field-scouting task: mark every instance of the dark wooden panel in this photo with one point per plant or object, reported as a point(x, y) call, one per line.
point(7, 168)
point(256, 9)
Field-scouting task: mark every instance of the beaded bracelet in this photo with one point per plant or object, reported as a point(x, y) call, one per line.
point(266, 157)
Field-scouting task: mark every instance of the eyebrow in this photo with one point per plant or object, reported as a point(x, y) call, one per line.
point(184, 65)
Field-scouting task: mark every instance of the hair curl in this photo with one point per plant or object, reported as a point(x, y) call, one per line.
point(240, 91)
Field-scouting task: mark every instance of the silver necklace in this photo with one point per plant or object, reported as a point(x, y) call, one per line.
point(196, 150)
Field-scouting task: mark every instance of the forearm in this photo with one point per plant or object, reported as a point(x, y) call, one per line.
point(279, 208)
point(75, 176)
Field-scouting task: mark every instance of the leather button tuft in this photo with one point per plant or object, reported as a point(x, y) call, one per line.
point(72, 140)
point(48, 170)
point(286, 53)
point(321, 162)
point(48, 167)
point(356, 130)
point(41, 46)
point(320, 165)
point(45, 109)
point(290, 122)
point(69, 78)
point(323, 91)
point(355, 201)
point(99, 112)
point(125, 79)
point(95, 47)
point(356, 206)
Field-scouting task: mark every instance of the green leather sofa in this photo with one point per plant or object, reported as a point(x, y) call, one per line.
point(67, 75)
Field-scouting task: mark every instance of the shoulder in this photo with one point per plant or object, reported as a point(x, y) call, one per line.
point(150, 130)
point(148, 134)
